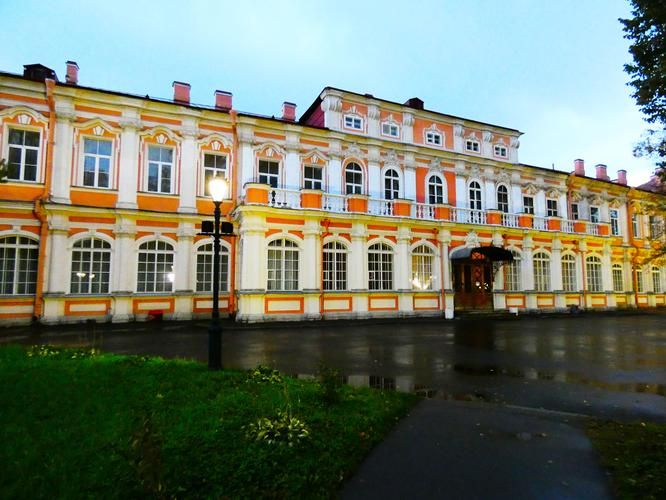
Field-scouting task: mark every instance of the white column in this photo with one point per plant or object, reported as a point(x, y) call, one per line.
point(331, 105)
point(311, 256)
point(556, 266)
point(129, 159)
point(540, 204)
point(513, 150)
point(409, 173)
point(184, 254)
point(527, 267)
point(458, 138)
point(373, 120)
point(292, 163)
point(124, 263)
point(335, 184)
point(444, 238)
point(461, 186)
point(357, 258)
point(188, 168)
point(253, 262)
point(402, 262)
point(62, 153)
point(246, 156)
point(486, 144)
point(516, 199)
point(606, 269)
point(58, 281)
point(374, 173)
point(490, 196)
point(563, 206)
point(408, 128)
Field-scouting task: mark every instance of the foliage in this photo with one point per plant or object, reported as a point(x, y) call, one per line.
point(48, 351)
point(3, 170)
point(635, 455)
point(265, 375)
point(282, 429)
point(330, 382)
point(110, 426)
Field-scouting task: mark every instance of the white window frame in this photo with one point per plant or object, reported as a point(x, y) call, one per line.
point(614, 215)
point(353, 119)
point(266, 177)
point(501, 151)
point(507, 202)
point(23, 149)
point(215, 170)
point(593, 274)
point(280, 252)
point(595, 214)
point(636, 225)
point(528, 209)
point(392, 127)
point(472, 145)
point(96, 157)
point(434, 138)
point(392, 176)
point(441, 186)
point(91, 265)
point(549, 210)
point(640, 279)
point(655, 273)
point(203, 267)
point(165, 269)
point(575, 211)
point(617, 274)
point(354, 184)
point(160, 164)
point(23, 266)
point(513, 273)
point(335, 266)
point(569, 273)
point(423, 268)
point(380, 267)
point(541, 266)
point(476, 201)
point(311, 180)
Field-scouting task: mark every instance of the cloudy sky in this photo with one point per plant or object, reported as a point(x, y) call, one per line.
point(550, 69)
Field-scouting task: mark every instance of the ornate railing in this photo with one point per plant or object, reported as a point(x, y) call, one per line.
point(423, 211)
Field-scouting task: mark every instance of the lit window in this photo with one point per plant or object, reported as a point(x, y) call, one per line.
point(23, 155)
point(615, 222)
point(500, 151)
point(155, 270)
point(160, 166)
point(528, 205)
point(569, 281)
point(380, 267)
point(205, 268)
point(474, 196)
point(312, 177)
point(269, 173)
point(282, 265)
point(96, 163)
point(594, 214)
point(541, 272)
point(18, 265)
point(512, 276)
point(656, 280)
point(335, 266)
point(91, 266)
point(551, 208)
point(503, 199)
point(433, 138)
point(618, 278)
point(391, 185)
point(422, 268)
point(593, 273)
point(353, 122)
point(214, 166)
point(353, 179)
point(575, 214)
point(435, 190)
point(390, 129)
point(472, 145)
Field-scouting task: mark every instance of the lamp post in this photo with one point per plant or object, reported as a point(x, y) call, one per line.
point(218, 191)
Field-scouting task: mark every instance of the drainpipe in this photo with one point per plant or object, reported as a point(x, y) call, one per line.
point(634, 259)
point(582, 258)
point(326, 223)
point(39, 210)
point(232, 180)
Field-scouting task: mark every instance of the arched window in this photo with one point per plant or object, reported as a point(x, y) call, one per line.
point(205, 268)
point(569, 281)
point(18, 265)
point(435, 190)
point(656, 280)
point(541, 272)
point(335, 266)
point(353, 179)
point(474, 195)
point(391, 185)
point(512, 276)
point(155, 271)
point(422, 268)
point(618, 278)
point(380, 267)
point(593, 273)
point(91, 266)
point(502, 198)
point(282, 265)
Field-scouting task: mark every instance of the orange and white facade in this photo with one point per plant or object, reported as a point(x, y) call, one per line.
point(361, 208)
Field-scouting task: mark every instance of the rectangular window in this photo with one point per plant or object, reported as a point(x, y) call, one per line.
point(312, 177)
point(335, 266)
point(640, 285)
point(214, 166)
point(615, 222)
point(656, 280)
point(635, 226)
point(160, 167)
point(390, 129)
point(594, 214)
point(434, 138)
point(471, 145)
point(500, 151)
point(23, 155)
point(528, 205)
point(656, 228)
point(96, 163)
point(575, 214)
point(618, 279)
point(512, 275)
point(353, 122)
point(269, 173)
point(551, 208)
point(569, 283)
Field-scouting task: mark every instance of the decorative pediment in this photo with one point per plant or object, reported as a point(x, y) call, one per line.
point(390, 119)
point(314, 157)
point(553, 193)
point(433, 128)
point(503, 178)
point(595, 200)
point(472, 136)
point(576, 196)
point(530, 189)
point(354, 150)
point(472, 239)
point(216, 142)
point(161, 135)
point(616, 202)
point(269, 150)
point(391, 157)
point(23, 115)
point(435, 164)
point(475, 171)
point(96, 127)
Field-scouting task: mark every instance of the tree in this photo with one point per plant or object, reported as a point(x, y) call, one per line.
point(3, 170)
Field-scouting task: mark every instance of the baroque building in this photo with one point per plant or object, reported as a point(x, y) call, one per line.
point(363, 207)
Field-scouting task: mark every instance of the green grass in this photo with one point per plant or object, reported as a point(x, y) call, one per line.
point(112, 426)
point(635, 455)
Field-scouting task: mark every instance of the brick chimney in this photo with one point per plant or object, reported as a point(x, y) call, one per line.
point(72, 75)
point(579, 167)
point(223, 100)
point(289, 111)
point(622, 177)
point(601, 172)
point(181, 92)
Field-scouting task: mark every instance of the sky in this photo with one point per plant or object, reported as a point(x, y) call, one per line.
point(553, 70)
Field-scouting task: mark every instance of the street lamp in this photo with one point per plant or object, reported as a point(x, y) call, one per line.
point(217, 187)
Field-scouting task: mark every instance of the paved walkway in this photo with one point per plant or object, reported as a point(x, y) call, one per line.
point(450, 450)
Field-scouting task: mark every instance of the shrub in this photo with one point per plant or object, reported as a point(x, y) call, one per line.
point(283, 429)
point(47, 351)
point(265, 374)
point(330, 382)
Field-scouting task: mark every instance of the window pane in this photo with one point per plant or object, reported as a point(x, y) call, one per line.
point(32, 139)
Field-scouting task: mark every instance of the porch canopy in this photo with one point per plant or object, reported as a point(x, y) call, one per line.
point(492, 253)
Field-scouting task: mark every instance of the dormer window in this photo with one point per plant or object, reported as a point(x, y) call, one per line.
point(390, 129)
point(433, 138)
point(353, 122)
point(472, 145)
point(500, 150)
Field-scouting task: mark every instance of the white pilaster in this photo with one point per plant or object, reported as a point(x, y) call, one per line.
point(335, 183)
point(188, 167)
point(58, 281)
point(373, 120)
point(184, 281)
point(246, 156)
point(556, 266)
point(331, 105)
point(410, 177)
point(408, 127)
point(458, 138)
point(311, 256)
point(124, 272)
point(489, 196)
point(461, 186)
point(292, 163)
point(129, 159)
point(374, 173)
point(62, 153)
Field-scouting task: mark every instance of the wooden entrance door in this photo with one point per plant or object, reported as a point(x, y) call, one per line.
point(473, 283)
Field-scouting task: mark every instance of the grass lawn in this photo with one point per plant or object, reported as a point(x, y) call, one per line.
point(635, 455)
point(75, 425)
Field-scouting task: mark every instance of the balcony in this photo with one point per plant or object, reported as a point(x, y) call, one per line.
point(262, 194)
